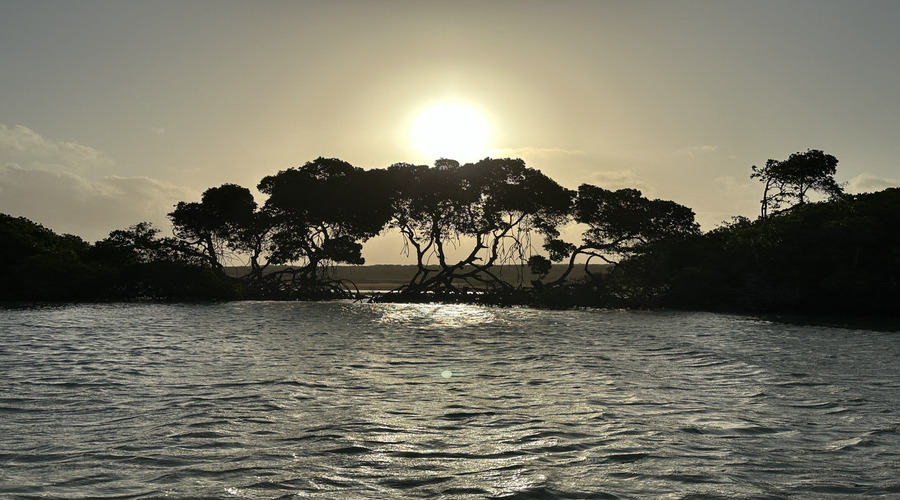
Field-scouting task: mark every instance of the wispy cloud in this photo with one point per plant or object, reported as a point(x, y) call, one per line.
point(867, 183)
point(20, 144)
point(698, 150)
point(573, 167)
point(51, 182)
point(90, 208)
point(533, 152)
point(729, 186)
point(619, 179)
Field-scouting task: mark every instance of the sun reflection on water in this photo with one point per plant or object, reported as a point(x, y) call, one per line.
point(436, 316)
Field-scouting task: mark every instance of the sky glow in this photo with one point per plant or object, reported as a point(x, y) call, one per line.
point(112, 112)
point(451, 130)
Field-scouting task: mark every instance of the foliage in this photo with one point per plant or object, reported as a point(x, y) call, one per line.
point(830, 257)
point(619, 224)
point(485, 212)
point(224, 225)
point(789, 181)
point(134, 264)
point(320, 214)
point(38, 264)
point(467, 223)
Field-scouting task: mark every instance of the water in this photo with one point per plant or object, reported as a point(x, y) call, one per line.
point(351, 400)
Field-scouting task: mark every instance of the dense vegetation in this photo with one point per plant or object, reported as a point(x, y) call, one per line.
point(837, 257)
point(37, 264)
point(463, 223)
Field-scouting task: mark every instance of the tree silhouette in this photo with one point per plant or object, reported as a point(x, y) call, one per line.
point(619, 223)
point(836, 257)
point(133, 263)
point(464, 221)
point(137, 244)
point(789, 181)
point(486, 212)
point(320, 214)
point(38, 264)
point(225, 225)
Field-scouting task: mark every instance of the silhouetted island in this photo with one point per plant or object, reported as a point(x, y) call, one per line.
point(484, 232)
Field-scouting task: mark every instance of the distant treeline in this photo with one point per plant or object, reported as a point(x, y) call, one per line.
point(388, 277)
point(488, 231)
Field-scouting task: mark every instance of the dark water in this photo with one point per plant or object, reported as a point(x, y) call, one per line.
point(341, 400)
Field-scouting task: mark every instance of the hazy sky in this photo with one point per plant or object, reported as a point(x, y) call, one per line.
point(112, 111)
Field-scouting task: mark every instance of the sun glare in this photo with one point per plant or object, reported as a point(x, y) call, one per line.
point(451, 130)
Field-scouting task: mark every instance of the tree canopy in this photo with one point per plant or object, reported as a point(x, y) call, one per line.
point(788, 182)
point(225, 219)
point(485, 213)
point(832, 257)
point(320, 214)
point(619, 224)
point(36, 264)
point(474, 229)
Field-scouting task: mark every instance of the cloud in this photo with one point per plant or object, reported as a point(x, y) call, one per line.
point(90, 208)
point(50, 182)
point(729, 187)
point(693, 151)
point(23, 146)
point(728, 197)
point(867, 183)
point(572, 167)
point(528, 152)
point(619, 179)
point(738, 197)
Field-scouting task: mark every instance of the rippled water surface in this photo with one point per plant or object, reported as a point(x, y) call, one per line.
point(352, 400)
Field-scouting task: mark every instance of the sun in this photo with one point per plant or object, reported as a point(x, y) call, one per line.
point(451, 130)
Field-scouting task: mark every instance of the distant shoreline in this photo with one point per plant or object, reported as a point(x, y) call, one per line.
point(387, 277)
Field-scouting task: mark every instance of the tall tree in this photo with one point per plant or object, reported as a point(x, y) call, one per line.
point(789, 182)
point(619, 223)
point(465, 220)
point(321, 212)
point(226, 223)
